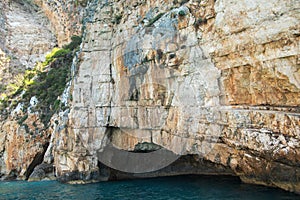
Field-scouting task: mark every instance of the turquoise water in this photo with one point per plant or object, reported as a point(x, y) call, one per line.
point(181, 187)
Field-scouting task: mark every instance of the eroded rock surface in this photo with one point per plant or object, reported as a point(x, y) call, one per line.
point(65, 16)
point(217, 79)
point(25, 39)
point(217, 83)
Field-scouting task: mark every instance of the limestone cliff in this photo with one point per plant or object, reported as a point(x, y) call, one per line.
point(65, 17)
point(25, 39)
point(218, 79)
point(26, 36)
point(212, 85)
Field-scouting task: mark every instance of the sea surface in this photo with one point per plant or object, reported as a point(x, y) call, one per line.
point(173, 188)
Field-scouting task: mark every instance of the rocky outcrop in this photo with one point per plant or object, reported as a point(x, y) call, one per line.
point(28, 35)
point(65, 16)
point(216, 79)
point(25, 39)
point(29, 30)
point(43, 171)
point(162, 88)
point(21, 148)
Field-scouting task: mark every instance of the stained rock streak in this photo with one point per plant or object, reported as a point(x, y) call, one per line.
point(214, 83)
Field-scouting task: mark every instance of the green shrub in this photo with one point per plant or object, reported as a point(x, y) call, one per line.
point(199, 22)
point(22, 119)
point(117, 19)
point(181, 13)
point(75, 42)
point(50, 57)
point(61, 53)
point(45, 85)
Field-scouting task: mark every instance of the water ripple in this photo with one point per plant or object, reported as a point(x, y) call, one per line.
point(175, 188)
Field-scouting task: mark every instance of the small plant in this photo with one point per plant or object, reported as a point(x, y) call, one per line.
point(26, 128)
point(181, 13)
point(200, 21)
point(75, 42)
point(56, 104)
point(81, 3)
point(50, 57)
point(117, 19)
point(22, 119)
point(153, 20)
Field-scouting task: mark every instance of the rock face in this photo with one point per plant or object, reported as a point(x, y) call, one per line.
point(218, 79)
point(20, 149)
point(25, 38)
point(30, 29)
point(43, 171)
point(199, 87)
point(28, 35)
point(65, 17)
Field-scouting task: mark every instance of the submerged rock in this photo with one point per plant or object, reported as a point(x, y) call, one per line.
point(41, 172)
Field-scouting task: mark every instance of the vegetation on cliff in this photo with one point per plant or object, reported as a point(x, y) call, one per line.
point(46, 82)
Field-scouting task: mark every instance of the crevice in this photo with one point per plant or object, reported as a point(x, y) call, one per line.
point(111, 76)
point(38, 159)
point(185, 165)
point(112, 81)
